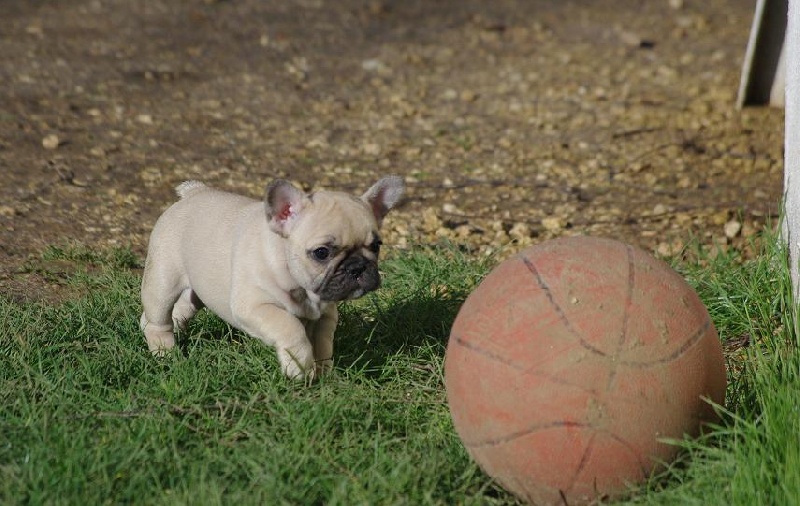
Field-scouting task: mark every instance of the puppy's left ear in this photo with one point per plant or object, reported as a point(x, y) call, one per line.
point(384, 195)
point(283, 202)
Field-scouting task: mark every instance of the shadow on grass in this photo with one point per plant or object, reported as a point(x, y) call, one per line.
point(378, 330)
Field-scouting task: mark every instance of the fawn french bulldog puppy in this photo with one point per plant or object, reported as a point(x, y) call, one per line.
point(274, 269)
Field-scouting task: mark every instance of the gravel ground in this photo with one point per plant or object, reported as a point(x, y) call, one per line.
point(512, 121)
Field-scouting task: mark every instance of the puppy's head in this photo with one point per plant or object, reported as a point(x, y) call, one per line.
point(332, 239)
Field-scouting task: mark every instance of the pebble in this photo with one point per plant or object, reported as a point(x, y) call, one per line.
point(371, 149)
point(520, 231)
point(732, 229)
point(450, 208)
point(372, 65)
point(51, 141)
point(468, 96)
point(664, 249)
point(450, 94)
point(659, 209)
point(430, 219)
point(552, 224)
point(34, 29)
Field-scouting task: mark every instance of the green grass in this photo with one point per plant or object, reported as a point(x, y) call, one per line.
point(87, 416)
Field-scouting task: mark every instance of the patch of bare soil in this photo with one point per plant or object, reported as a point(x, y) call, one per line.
point(512, 121)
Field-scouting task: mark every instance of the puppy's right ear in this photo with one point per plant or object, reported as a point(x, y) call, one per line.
point(283, 203)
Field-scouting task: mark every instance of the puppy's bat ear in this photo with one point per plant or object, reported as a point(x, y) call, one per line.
point(384, 195)
point(283, 202)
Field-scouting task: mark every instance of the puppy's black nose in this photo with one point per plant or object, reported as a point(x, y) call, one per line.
point(355, 269)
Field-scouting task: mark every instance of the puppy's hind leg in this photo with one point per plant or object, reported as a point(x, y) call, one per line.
point(185, 308)
point(159, 295)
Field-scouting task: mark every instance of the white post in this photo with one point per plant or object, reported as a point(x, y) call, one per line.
point(791, 169)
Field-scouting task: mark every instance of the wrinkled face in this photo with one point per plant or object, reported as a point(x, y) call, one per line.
point(334, 247)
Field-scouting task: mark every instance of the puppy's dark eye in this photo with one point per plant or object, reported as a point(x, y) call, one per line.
point(321, 254)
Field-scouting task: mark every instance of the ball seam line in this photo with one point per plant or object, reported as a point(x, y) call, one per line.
point(557, 308)
point(525, 370)
point(528, 431)
point(689, 343)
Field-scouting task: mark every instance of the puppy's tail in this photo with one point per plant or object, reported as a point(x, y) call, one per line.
point(189, 188)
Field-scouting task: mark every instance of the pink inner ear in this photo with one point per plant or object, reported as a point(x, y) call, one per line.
point(285, 212)
point(378, 209)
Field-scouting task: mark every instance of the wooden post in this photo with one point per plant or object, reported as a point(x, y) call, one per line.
point(764, 71)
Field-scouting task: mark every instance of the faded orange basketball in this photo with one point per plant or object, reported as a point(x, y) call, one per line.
point(571, 362)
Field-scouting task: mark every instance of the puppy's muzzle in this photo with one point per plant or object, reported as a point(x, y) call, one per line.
point(363, 272)
point(353, 277)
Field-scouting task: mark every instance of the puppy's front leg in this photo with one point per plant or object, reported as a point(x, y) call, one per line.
point(321, 335)
point(279, 328)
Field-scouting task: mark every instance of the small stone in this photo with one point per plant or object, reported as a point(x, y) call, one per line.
point(664, 249)
point(7, 211)
point(520, 231)
point(463, 231)
point(552, 224)
point(732, 229)
point(34, 29)
point(298, 68)
point(468, 96)
point(211, 104)
point(371, 149)
point(629, 38)
point(430, 219)
point(151, 175)
point(443, 232)
point(412, 152)
point(372, 65)
point(450, 94)
point(317, 142)
point(145, 119)
point(401, 230)
point(51, 141)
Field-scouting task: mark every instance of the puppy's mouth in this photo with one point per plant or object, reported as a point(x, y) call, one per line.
point(352, 278)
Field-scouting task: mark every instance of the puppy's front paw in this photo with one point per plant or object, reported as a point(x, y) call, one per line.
point(297, 363)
